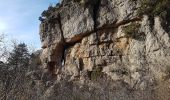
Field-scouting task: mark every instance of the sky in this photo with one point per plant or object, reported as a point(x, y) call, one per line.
point(19, 19)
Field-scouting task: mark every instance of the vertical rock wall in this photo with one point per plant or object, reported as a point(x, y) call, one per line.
point(93, 41)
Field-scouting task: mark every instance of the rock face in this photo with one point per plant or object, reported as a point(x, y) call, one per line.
point(102, 50)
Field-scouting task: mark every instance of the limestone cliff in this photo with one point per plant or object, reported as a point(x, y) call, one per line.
point(104, 50)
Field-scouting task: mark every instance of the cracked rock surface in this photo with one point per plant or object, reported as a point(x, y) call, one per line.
point(91, 56)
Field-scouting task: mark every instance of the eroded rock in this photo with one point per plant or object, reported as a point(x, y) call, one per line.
point(80, 37)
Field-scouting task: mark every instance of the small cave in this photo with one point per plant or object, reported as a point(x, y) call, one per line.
point(81, 64)
point(64, 52)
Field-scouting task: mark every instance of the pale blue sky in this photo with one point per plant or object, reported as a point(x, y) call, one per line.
point(19, 19)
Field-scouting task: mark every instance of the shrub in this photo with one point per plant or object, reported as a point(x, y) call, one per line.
point(121, 71)
point(96, 73)
point(154, 7)
point(131, 30)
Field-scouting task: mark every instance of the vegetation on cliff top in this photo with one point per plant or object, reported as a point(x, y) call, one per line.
point(154, 7)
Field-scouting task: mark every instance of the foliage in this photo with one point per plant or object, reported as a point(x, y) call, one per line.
point(19, 55)
point(121, 71)
point(13, 78)
point(131, 30)
point(154, 7)
point(96, 73)
point(47, 13)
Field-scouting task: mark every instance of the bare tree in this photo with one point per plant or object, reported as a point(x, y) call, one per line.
point(3, 48)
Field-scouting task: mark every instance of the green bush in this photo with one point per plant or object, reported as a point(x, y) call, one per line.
point(121, 71)
point(96, 73)
point(131, 30)
point(154, 7)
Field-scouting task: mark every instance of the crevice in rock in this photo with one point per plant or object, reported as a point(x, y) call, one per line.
point(60, 26)
point(81, 64)
point(104, 42)
point(152, 22)
point(95, 12)
point(121, 57)
point(51, 67)
point(63, 56)
point(63, 41)
point(79, 37)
